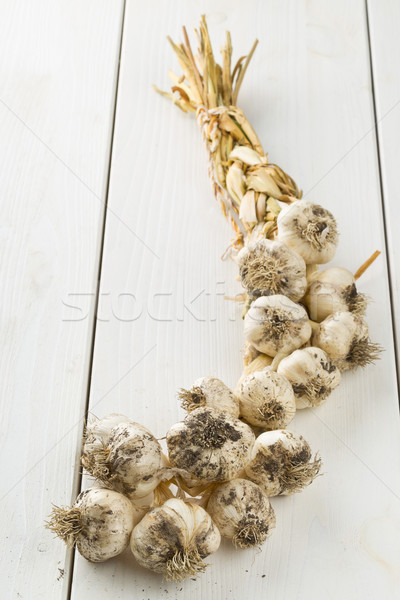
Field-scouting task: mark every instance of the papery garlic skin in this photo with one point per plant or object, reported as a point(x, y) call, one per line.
point(242, 513)
point(281, 463)
point(310, 230)
point(345, 338)
point(267, 400)
point(211, 392)
point(174, 538)
point(312, 375)
point(257, 364)
point(275, 324)
point(130, 463)
point(99, 524)
point(333, 290)
point(269, 267)
point(210, 445)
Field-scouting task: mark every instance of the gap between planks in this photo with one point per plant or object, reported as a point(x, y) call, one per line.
point(382, 198)
point(78, 474)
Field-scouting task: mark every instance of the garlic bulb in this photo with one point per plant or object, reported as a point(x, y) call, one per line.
point(276, 324)
point(210, 445)
point(345, 337)
point(99, 524)
point(312, 374)
point(267, 400)
point(174, 539)
point(211, 392)
point(129, 461)
point(331, 291)
point(242, 512)
point(310, 230)
point(257, 364)
point(268, 268)
point(281, 463)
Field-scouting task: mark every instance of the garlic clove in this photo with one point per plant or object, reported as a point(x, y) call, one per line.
point(99, 524)
point(211, 392)
point(174, 539)
point(210, 445)
point(267, 400)
point(281, 463)
point(310, 230)
point(344, 336)
point(269, 267)
point(275, 324)
point(312, 374)
point(242, 513)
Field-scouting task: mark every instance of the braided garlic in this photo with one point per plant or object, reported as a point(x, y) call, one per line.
point(242, 512)
point(266, 400)
point(281, 463)
point(275, 324)
point(210, 445)
point(310, 230)
point(174, 539)
point(268, 268)
point(312, 374)
point(333, 290)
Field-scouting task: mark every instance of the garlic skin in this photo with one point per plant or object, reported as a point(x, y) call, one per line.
point(210, 445)
point(281, 463)
point(333, 290)
point(312, 374)
point(99, 524)
point(310, 230)
point(269, 267)
point(275, 324)
point(131, 462)
point(267, 400)
point(210, 392)
point(345, 338)
point(242, 513)
point(174, 538)
point(257, 364)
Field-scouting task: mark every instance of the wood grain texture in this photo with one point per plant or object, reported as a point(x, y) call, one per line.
point(164, 321)
point(58, 65)
point(384, 18)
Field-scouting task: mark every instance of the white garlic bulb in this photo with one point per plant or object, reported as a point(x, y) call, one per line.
point(310, 230)
point(345, 338)
point(312, 374)
point(333, 290)
point(210, 445)
point(281, 463)
point(242, 512)
point(275, 324)
point(130, 461)
point(99, 524)
point(211, 392)
point(267, 400)
point(174, 539)
point(269, 267)
point(257, 364)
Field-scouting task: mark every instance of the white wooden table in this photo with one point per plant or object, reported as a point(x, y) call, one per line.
point(112, 286)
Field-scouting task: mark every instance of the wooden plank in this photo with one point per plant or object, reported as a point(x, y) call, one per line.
point(58, 66)
point(384, 18)
point(308, 95)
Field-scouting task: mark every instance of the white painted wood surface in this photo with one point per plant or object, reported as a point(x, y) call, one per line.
point(164, 321)
point(384, 19)
point(58, 65)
